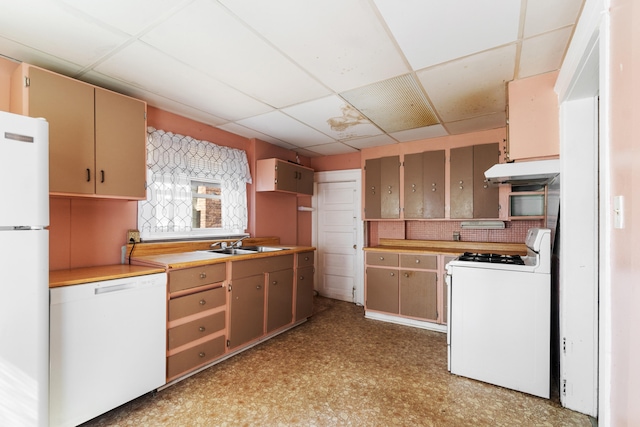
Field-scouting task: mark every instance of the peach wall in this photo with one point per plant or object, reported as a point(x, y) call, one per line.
point(624, 164)
point(534, 127)
point(336, 162)
point(6, 69)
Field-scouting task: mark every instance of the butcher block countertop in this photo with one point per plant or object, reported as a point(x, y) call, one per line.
point(202, 257)
point(447, 247)
point(77, 276)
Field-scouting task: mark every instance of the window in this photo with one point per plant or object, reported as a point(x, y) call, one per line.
point(194, 188)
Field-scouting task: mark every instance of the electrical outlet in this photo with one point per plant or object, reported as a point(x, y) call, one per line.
point(133, 235)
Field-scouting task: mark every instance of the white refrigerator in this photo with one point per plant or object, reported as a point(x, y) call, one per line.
point(24, 271)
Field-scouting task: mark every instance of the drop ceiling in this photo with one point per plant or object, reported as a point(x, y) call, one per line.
point(319, 77)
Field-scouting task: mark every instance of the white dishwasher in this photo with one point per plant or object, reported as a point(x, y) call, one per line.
point(107, 345)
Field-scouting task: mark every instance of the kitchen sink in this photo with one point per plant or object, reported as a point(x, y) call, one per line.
point(245, 250)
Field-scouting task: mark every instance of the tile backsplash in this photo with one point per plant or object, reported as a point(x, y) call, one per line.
point(514, 231)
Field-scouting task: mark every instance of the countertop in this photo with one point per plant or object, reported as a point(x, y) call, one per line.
point(447, 247)
point(76, 276)
point(201, 257)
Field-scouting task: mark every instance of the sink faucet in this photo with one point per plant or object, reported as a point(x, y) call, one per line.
point(222, 244)
point(237, 242)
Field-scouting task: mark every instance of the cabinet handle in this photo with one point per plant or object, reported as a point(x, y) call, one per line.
point(306, 258)
point(101, 176)
point(88, 175)
point(417, 261)
point(381, 258)
point(202, 302)
point(202, 354)
point(301, 278)
point(389, 189)
point(259, 287)
point(406, 274)
point(413, 188)
point(275, 282)
point(201, 328)
point(203, 275)
point(393, 274)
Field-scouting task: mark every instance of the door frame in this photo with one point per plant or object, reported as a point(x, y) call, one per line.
point(349, 175)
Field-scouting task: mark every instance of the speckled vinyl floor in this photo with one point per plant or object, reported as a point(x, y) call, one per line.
point(339, 369)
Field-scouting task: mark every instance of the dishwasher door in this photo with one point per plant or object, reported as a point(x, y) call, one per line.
point(107, 345)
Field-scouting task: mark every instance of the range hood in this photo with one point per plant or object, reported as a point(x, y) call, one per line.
point(523, 173)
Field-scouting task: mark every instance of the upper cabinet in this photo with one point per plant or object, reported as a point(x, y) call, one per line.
point(280, 175)
point(424, 185)
point(470, 194)
point(382, 188)
point(533, 118)
point(96, 137)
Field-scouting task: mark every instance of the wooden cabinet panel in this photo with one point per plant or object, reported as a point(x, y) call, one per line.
point(196, 276)
point(485, 197)
point(382, 188)
point(304, 292)
point(194, 357)
point(426, 262)
point(67, 105)
point(280, 175)
point(196, 303)
point(461, 184)
point(305, 259)
point(382, 290)
point(120, 145)
point(259, 266)
point(388, 259)
point(246, 310)
point(424, 185)
point(418, 294)
point(183, 334)
point(279, 299)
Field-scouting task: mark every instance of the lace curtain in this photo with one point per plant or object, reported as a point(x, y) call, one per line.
point(172, 162)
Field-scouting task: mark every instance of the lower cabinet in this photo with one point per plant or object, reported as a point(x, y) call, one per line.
point(279, 299)
point(406, 286)
point(247, 310)
point(304, 285)
point(196, 333)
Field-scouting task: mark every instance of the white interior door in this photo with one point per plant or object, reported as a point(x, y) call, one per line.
point(338, 236)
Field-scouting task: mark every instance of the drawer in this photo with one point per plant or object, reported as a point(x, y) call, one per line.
point(181, 335)
point(252, 267)
point(426, 262)
point(382, 258)
point(196, 303)
point(196, 356)
point(196, 276)
point(305, 259)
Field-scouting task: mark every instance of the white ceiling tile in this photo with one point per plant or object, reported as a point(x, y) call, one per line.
point(334, 117)
point(52, 28)
point(307, 153)
point(332, 149)
point(374, 141)
point(205, 36)
point(420, 133)
point(432, 32)
point(543, 53)
point(251, 134)
point(490, 121)
point(547, 15)
point(151, 70)
point(128, 16)
point(285, 128)
point(20, 52)
point(341, 42)
point(472, 86)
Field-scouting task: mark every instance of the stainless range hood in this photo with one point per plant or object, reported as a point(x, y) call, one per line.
point(524, 173)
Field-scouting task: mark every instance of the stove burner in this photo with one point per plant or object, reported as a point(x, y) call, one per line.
point(493, 258)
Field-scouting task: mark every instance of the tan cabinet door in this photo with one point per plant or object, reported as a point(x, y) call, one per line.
point(461, 185)
point(418, 294)
point(246, 310)
point(279, 299)
point(485, 197)
point(424, 189)
point(304, 292)
point(372, 189)
point(120, 145)
point(390, 183)
point(382, 290)
point(286, 175)
point(67, 105)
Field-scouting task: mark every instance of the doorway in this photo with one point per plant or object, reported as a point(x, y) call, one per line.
point(338, 235)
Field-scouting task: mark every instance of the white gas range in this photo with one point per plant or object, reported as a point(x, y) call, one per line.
point(499, 316)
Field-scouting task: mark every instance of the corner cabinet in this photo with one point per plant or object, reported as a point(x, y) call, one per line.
point(283, 176)
point(97, 138)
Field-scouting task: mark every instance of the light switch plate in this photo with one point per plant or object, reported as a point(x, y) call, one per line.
point(618, 212)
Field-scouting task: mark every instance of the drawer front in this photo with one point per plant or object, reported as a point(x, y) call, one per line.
point(196, 276)
point(183, 334)
point(382, 258)
point(252, 267)
point(194, 357)
point(196, 303)
point(426, 262)
point(305, 259)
